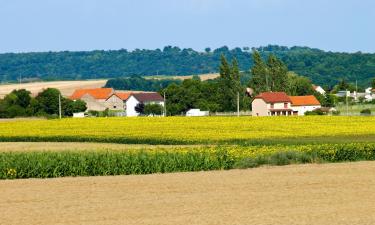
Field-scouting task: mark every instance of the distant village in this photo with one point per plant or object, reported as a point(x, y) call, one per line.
point(125, 103)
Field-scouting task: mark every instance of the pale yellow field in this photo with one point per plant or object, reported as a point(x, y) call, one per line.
point(332, 194)
point(208, 76)
point(66, 87)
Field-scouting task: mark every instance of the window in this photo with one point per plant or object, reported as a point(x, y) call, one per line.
point(271, 105)
point(114, 106)
point(285, 105)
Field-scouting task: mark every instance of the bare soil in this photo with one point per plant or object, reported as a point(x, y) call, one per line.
point(303, 194)
point(66, 87)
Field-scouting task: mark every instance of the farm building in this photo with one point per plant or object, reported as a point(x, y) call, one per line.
point(302, 104)
point(142, 98)
point(272, 104)
point(280, 104)
point(95, 98)
point(117, 101)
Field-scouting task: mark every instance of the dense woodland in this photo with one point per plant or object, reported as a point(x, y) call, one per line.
point(323, 68)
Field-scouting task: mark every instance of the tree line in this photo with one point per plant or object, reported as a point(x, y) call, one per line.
point(20, 103)
point(222, 94)
point(323, 68)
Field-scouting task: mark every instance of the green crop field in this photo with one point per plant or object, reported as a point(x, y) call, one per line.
point(175, 144)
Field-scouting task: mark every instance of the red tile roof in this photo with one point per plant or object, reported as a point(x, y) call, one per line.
point(304, 100)
point(148, 97)
point(123, 95)
point(274, 97)
point(97, 93)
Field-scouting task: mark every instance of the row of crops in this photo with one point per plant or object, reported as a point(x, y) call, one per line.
point(182, 130)
point(48, 164)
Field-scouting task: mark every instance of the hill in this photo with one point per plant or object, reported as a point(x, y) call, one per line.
point(324, 68)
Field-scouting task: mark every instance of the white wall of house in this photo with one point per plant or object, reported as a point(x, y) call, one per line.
point(279, 105)
point(259, 107)
point(131, 103)
point(302, 109)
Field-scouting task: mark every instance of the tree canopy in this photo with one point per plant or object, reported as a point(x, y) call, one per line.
point(323, 68)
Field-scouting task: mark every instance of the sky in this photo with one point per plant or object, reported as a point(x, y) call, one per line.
point(75, 25)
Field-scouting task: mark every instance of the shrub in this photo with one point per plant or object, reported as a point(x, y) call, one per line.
point(366, 112)
point(316, 112)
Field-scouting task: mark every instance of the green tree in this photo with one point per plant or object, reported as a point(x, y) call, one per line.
point(48, 101)
point(259, 81)
point(277, 71)
point(373, 83)
point(23, 97)
point(69, 106)
point(298, 85)
point(153, 109)
point(229, 84)
point(139, 108)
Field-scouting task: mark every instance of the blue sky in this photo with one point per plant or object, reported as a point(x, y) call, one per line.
point(54, 25)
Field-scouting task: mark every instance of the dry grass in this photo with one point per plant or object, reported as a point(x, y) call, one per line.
point(208, 76)
point(305, 194)
point(79, 146)
point(66, 87)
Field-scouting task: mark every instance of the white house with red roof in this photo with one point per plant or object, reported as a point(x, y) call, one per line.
point(280, 104)
point(272, 104)
point(302, 104)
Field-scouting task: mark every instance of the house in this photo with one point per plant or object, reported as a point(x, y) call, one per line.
point(197, 112)
point(272, 104)
point(319, 89)
point(302, 104)
point(117, 101)
point(95, 98)
point(142, 98)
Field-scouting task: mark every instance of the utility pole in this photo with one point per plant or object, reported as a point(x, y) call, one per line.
point(60, 106)
point(165, 106)
point(347, 106)
point(238, 104)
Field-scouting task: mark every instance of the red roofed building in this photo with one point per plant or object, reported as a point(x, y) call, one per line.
point(272, 104)
point(280, 104)
point(95, 98)
point(96, 93)
point(302, 104)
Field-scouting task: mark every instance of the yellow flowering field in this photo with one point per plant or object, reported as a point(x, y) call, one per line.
point(184, 130)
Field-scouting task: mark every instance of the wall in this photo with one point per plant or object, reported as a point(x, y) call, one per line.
point(302, 109)
point(259, 108)
point(94, 104)
point(115, 103)
point(130, 106)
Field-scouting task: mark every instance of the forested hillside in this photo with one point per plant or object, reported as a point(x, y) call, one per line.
point(324, 68)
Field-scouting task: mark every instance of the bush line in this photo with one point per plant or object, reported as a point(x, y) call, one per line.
point(15, 165)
